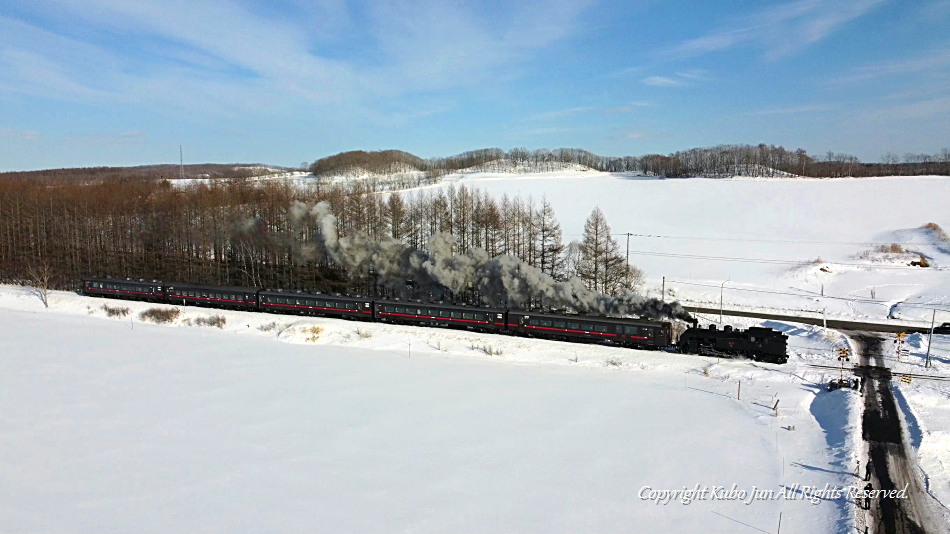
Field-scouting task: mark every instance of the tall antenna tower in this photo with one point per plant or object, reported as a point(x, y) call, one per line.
point(181, 164)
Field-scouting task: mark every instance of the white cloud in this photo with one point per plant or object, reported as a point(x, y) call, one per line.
point(791, 110)
point(111, 139)
point(221, 55)
point(936, 61)
point(663, 81)
point(560, 113)
point(632, 107)
point(921, 109)
point(781, 30)
point(20, 135)
point(535, 132)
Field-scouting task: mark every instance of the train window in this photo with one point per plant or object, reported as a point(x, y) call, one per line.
point(456, 315)
point(587, 327)
point(468, 316)
point(558, 324)
point(601, 328)
point(632, 330)
point(545, 322)
point(573, 326)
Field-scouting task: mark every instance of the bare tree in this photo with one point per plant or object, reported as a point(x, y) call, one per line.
point(550, 247)
point(40, 274)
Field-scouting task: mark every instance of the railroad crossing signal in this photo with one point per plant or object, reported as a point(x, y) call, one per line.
point(899, 341)
point(844, 355)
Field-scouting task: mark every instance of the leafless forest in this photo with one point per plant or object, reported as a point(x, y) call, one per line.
point(722, 160)
point(239, 233)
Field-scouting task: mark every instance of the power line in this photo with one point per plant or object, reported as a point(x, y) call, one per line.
point(768, 260)
point(943, 307)
point(787, 241)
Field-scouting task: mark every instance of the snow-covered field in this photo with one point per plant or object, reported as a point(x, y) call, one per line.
point(284, 424)
point(277, 423)
point(684, 227)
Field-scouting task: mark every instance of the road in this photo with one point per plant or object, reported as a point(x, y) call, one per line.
point(890, 454)
point(838, 324)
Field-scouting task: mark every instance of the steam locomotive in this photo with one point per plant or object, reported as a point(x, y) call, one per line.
point(756, 343)
point(761, 344)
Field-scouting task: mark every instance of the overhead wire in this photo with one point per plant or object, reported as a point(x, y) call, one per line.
point(757, 240)
point(814, 296)
point(772, 261)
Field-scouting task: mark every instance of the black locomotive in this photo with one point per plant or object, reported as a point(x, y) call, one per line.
point(758, 343)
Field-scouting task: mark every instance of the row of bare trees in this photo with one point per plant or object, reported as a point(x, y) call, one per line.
point(722, 160)
point(235, 233)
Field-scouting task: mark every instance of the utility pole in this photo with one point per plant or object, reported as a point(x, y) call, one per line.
point(628, 252)
point(930, 337)
point(721, 289)
point(181, 163)
point(663, 294)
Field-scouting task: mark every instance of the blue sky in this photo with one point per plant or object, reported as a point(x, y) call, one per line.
point(124, 82)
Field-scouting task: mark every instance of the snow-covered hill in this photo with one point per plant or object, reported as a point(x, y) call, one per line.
point(780, 244)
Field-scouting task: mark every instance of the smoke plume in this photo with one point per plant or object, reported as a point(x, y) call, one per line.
point(503, 281)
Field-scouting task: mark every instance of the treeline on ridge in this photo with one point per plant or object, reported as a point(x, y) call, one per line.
point(145, 172)
point(717, 161)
